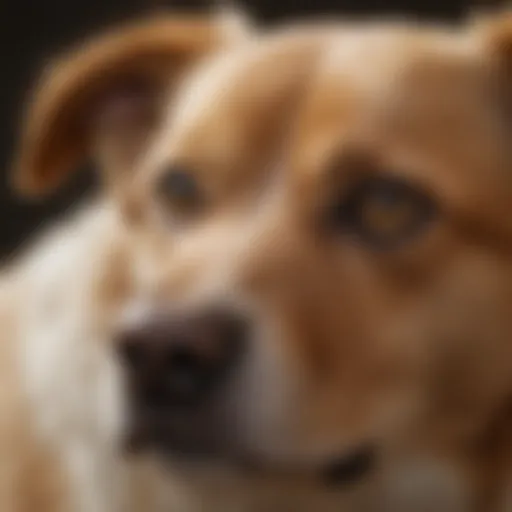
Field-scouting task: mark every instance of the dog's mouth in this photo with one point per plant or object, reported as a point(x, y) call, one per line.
point(351, 468)
point(200, 445)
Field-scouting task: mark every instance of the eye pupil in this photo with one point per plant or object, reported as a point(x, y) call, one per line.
point(384, 212)
point(180, 184)
point(179, 187)
point(385, 195)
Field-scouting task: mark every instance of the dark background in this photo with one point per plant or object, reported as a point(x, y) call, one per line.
point(32, 31)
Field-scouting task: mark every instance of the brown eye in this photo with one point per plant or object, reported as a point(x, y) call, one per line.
point(385, 212)
point(179, 188)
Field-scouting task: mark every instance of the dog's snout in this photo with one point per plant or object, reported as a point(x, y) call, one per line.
point(177, 361)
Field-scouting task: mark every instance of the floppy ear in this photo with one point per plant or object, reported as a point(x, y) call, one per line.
point(103, 100)
point(496, 33)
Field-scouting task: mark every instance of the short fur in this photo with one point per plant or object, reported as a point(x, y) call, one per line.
point(409, 348)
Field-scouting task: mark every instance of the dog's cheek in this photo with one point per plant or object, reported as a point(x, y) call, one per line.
point(264, 398)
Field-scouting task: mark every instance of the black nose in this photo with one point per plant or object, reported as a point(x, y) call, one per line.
point(180, 361)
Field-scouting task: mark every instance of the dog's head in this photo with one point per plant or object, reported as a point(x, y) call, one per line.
point(323, 237)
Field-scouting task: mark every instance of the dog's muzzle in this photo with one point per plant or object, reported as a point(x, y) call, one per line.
point(179, 370)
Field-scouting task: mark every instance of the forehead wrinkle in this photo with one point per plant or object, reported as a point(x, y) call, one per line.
point(195, 102)
point(359, 66)
point(203, 92)
point(218, 98)
point(372, 56)
point(360, 76)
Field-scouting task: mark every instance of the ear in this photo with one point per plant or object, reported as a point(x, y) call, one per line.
point(494, 32)
point(103, 100)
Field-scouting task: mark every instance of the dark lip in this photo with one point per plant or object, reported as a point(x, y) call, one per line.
point(345, 470)
point(351, 468)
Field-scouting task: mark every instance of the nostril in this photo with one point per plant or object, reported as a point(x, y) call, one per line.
point(186, 372)
point(183, 359)
point(155, 397)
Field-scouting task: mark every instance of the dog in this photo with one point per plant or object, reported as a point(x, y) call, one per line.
point(59, 409)
point(308, 262)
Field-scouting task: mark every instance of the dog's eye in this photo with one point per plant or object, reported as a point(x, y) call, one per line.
point(385, 212)
point(179, 188)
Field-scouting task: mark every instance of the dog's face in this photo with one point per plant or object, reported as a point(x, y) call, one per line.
point(321, 237)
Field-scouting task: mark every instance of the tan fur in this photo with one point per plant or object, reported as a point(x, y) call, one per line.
point(409, 349)
point(410, 346)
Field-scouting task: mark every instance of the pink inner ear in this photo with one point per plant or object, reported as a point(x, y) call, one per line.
point(125, 108)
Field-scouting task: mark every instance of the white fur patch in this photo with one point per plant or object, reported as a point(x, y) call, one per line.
point(70, 376)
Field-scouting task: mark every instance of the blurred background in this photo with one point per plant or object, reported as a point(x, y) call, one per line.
point(35, 30)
